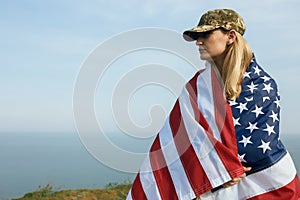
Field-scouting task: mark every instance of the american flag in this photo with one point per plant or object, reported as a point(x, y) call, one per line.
point(197, 149)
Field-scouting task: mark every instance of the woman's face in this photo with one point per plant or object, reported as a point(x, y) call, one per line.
point(212, 45)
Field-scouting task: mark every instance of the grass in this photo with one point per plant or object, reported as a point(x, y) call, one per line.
point(112, 191)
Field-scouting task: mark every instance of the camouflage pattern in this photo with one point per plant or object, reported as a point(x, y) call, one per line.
point(213, 19)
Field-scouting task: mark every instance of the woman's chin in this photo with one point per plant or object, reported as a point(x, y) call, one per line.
point(205, 57)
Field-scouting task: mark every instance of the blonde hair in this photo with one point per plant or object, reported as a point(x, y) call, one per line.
point(236, 62)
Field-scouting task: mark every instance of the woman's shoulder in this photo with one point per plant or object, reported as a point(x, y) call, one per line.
point(257, 80)
point(256, 71)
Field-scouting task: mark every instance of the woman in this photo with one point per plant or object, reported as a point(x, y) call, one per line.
point(221, 139)
point(252, 94)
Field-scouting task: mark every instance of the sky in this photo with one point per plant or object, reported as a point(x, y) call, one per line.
point(45, 45)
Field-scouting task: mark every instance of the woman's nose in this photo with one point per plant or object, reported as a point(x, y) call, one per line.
point(199, 41)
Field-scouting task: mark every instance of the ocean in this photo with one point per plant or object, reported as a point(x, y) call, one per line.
point(30, 161)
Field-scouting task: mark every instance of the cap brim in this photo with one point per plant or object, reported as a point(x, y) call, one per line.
point(193, 34)
point(190, 35)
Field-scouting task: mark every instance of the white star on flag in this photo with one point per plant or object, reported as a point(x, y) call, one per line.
point(264, 146)
point(246, 140)
point(236, 121)
point(266, 98)
point(256, 70)
point(269, 129)
point(274, 116)
point(277, 103)
point(268, 87)
point(246, 74)
point(241, 158)
point(257, 110)
point(249, 99)
point(265, 78)
point(252, 127)
point(232, 103)
point(242, 107)
point(252, 87)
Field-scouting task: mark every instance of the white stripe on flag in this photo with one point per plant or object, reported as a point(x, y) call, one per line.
point(272, 178)
point(179, 178)
point(206, 100)
point(148, 181)
point(202, 145)
point(129, 197)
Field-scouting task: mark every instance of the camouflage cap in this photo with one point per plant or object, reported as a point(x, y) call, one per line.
point(213, 19)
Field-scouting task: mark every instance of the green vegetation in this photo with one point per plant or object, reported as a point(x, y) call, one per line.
point(112, 191)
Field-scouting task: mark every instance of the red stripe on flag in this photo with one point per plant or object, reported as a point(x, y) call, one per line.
point(193, 169)
point(232, 165)
point(161, 172)
point(223, 114)
point(223, 118)
point(193, 95)
point(289, 192)
point(137, 191)
point(191, 86)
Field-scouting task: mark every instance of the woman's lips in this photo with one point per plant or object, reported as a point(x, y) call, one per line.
point(202, 51)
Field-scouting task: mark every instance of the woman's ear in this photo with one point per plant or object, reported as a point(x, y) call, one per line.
point(231, 37)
